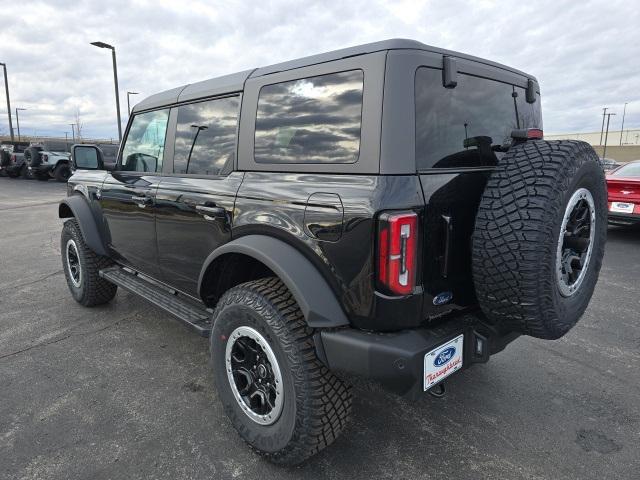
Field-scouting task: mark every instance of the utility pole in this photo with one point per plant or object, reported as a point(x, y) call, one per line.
point(604, 113)
point(73, 131)
point(6, 87)
point(606, 135)
point(624, 112)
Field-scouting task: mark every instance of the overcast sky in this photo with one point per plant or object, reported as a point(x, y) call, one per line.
point(586, 54)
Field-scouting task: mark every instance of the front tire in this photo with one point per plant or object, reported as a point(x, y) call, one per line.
point(260, 337)
point(81, 266)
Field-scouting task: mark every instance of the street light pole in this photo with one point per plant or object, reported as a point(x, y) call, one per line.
point(624, 112)
point(18, 121)
point(604, 113)
point(115, 81)
point(128, 103)
point(604, 152)
point(6, 87)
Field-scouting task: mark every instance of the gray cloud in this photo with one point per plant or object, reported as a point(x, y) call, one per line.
point(584, 53)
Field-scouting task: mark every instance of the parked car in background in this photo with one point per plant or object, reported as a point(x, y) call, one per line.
point(12, 159)
point(608, 164)
point(44, 164)
point(623, 185)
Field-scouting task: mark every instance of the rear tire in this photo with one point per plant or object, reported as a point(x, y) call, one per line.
point(81, 266)
point(43, 177)
point(315, 404)
point(62, 172)
point(25, 172)
point(530, 277)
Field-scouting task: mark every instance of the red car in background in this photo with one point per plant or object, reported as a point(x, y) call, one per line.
point(623, 185)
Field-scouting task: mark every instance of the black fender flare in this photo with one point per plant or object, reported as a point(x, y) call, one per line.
point(76, 206)
point(317, 301)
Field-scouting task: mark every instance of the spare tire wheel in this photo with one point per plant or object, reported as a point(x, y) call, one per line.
point(539, 237)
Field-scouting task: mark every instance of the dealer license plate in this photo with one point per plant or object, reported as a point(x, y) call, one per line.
point(622, 207)
point(442, 361)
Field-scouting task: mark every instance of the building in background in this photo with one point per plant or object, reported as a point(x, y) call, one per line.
point(629, 137)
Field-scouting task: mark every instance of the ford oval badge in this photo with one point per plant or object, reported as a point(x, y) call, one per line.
point(444, 357)
point(442, 298)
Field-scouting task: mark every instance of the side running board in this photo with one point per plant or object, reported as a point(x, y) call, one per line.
point(192, 314)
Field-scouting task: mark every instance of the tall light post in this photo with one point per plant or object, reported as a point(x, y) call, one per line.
point(604, 152)
point(18, 120)
point(115, 81)
point(6, 87)
point(128, 103)
point(624, 112)
point(604, 113)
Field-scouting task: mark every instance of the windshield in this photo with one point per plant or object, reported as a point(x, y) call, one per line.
point(469, 125)
point(628, 170)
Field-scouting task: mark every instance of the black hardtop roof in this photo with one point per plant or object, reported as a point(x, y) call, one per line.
point(235, 82)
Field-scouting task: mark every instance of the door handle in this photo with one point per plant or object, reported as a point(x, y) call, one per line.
point(142, 201)
point(211, 213)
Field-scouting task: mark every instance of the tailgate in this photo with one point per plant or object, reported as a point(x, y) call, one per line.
point(452, 201)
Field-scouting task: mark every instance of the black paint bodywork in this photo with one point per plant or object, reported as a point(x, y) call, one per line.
point(175, 228)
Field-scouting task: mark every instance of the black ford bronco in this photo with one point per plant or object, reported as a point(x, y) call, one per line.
point(388, 211)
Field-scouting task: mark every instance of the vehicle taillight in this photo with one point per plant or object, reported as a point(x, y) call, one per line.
point(535, 134)
point(45, 158)
point(397, 244)
point(13, 158)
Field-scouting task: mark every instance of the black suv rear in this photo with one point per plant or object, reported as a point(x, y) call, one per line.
point(389, 211)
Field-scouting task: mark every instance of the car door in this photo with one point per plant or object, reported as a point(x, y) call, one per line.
point(195, 200)
point(128, 194)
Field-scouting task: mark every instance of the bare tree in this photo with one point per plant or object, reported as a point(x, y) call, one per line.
point(79, 126)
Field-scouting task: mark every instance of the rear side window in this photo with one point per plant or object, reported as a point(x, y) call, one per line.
point(467, 126)
point(311, 120)
point(144, 147)
point(206, 136)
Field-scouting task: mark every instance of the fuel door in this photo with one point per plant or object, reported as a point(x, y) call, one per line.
point(323, 217)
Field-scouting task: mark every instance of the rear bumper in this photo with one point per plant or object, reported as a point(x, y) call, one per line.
point(396, 360)
point(41, 169)
point(624, 218)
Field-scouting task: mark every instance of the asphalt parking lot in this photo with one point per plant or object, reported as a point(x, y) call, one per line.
point(123, 391)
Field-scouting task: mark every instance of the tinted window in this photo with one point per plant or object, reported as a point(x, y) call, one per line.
point(312, 120)
point(628, 170)
point(468, 125)
point(144, 148)
point(206, 136)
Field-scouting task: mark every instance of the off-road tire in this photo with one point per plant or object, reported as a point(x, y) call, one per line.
point(517, 232)
point(317, 404)
point(93, 289)
point(32, 156)
point(13, 174)
point(5, 158)
point(62, 172)
point(25, 172)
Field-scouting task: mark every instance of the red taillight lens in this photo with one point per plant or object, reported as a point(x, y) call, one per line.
point(13, 158)
point(397, 244)
point(534, 134)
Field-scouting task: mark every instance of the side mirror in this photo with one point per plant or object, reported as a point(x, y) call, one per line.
point(87, 157)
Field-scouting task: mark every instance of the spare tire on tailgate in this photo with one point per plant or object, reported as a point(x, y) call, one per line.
point(539, 237)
